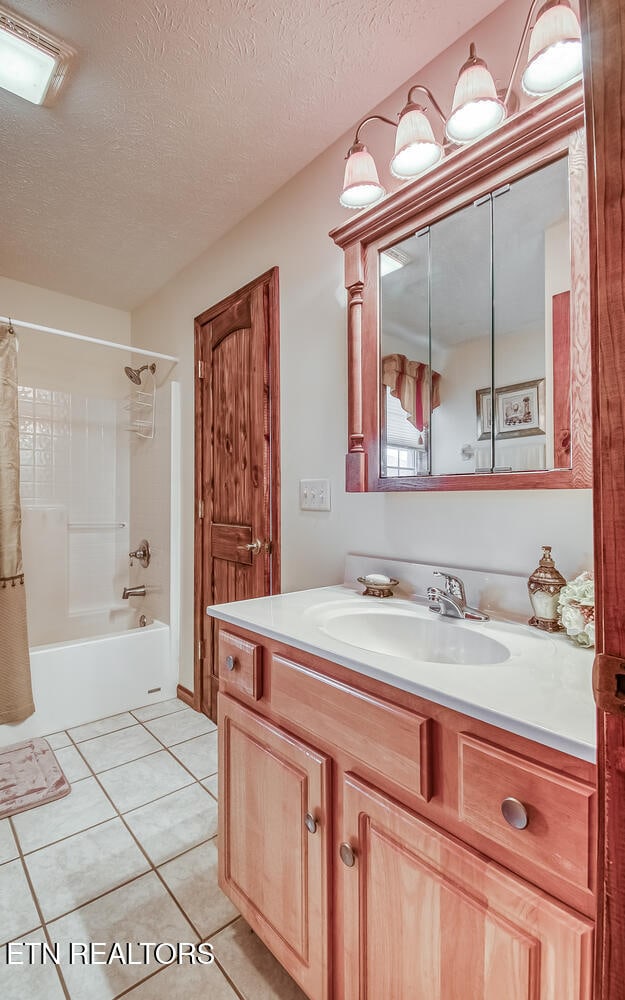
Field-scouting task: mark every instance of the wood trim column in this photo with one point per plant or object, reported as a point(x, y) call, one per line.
point(603, 28)
point(355, 460)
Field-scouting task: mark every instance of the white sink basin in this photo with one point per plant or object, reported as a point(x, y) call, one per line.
point(412, 636)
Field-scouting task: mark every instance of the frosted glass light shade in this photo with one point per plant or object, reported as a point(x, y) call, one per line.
point(416, 149)
point(476, 108)
point(555, 51)
point(25, 69)
point(361, 186)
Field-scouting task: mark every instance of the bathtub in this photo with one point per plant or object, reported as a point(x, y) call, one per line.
point(111, 666)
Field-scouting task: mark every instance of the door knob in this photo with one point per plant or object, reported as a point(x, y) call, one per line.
point(255, 547)
point(347, 855)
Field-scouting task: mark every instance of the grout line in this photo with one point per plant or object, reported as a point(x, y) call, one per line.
point(157, 798)
point(101, 895)
point(207, 940)
point(97, 736)
point(23, 934)
point(221, 967)
point(187, 850)
point(187, 739)
point(196, 781)
point(68, 836)
point(231, 983)
point(170, 751)
point(155, 717)
point(141, 982)
point(44, 927)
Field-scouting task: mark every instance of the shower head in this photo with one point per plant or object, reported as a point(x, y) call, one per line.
point(134, 374)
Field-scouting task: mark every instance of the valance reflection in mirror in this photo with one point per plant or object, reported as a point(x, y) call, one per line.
point(474, 335)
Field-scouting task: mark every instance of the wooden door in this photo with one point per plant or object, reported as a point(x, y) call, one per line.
point(603, 38)
point(237, 462)
point(429, 919)
point(274, 810)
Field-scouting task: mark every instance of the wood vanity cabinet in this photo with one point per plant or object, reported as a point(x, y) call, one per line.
point(361, 836)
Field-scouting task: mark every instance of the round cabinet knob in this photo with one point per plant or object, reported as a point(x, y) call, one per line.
point(514, 813)
point(311, 823)
point(347, 855)
point(230, 663)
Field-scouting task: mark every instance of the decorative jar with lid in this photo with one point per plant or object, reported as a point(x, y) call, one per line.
point(544, 586)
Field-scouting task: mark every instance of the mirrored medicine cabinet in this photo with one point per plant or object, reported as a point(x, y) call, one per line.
point(468, 317)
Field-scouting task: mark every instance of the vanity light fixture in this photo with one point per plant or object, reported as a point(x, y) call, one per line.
point(361, 184)
point(554, 61)
point(416, 149)
point(555, 52)
point(33, 64)
point(476, 108)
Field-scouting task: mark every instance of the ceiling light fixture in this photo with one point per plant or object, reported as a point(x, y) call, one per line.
point(554, 60)
point(33, 64)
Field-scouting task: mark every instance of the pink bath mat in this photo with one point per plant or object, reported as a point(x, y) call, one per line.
point(30, 775)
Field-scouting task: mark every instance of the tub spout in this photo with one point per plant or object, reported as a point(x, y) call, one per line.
point(133, 592)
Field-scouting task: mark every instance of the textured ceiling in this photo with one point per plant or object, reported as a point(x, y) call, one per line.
point(180, 118)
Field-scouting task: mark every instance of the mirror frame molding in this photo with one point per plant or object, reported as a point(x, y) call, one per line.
point(530, 139)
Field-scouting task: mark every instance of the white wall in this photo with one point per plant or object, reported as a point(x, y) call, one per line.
point(501, 531)
point(39, 305)
point(150, 507)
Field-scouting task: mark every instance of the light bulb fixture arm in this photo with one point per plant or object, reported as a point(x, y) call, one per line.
point(371, 118)
point(517, 59)
point(430, 97)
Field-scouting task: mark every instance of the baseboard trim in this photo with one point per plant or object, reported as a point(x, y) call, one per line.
point(187, 696)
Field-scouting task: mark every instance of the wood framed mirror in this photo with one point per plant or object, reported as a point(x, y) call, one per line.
point(468, 317)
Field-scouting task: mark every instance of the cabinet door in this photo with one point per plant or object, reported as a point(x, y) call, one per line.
point(274, 840)
point(429, 919)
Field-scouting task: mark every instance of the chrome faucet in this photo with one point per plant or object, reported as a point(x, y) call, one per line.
point(452, 602)
point(133, 592)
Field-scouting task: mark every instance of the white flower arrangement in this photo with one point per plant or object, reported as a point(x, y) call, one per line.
point(576, 609)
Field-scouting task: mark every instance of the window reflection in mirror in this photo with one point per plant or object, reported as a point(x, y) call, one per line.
point(474, 336)
point(405, 362)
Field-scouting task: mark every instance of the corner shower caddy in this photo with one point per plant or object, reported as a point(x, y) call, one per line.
point(141, 406)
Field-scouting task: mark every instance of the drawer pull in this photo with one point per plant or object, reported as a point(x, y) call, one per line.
point(514, 813)
point(348, 856)
point(230, 663)
point(311, 823)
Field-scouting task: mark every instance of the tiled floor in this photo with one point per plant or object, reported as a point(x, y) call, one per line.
point(129, 856)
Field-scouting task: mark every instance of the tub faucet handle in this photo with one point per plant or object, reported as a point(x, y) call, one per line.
point(141, 553)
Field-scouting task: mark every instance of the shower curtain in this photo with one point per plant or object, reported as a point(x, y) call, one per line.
point(16, 697)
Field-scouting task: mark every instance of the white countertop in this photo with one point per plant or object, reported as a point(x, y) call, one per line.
point(542, 691)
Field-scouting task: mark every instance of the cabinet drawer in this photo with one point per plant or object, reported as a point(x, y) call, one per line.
point(240, 665)
point(389, 740)
point(558, 810)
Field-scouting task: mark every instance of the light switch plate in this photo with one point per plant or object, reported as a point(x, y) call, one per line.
point(314, 494)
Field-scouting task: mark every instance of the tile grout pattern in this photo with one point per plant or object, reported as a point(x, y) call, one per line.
point(173, 734)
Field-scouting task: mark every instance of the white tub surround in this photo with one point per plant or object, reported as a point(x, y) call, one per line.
point(542, 690)
point(90, 678)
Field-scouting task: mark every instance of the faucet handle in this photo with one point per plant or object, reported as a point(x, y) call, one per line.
point(141, 553)
point(453, 585)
